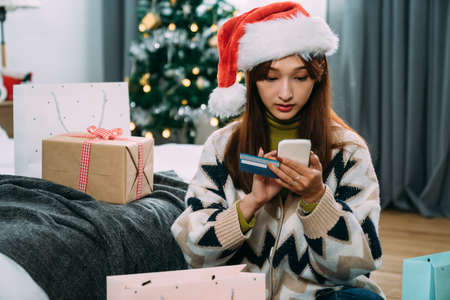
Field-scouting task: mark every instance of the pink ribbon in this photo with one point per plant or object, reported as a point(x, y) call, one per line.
point(98, 134)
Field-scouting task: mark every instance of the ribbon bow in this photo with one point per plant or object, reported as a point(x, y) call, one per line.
point(96, 134)
point(104, 134)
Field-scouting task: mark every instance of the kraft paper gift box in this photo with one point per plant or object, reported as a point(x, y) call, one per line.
point(427, 277)
point(218, 283)
point(113, 166)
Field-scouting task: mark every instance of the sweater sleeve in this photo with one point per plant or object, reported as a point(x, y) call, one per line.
point(342, 230)
point(208, 231)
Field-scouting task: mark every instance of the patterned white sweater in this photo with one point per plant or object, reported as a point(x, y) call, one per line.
point(302, 256)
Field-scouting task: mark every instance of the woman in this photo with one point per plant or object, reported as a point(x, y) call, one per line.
point(313, 230)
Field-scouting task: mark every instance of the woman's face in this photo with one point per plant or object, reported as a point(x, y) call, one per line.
point(287, 87)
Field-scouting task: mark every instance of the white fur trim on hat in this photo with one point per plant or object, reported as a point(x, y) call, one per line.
point(275, 39)
point(229, 101)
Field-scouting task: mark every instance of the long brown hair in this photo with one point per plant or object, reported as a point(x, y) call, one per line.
point(253, 131)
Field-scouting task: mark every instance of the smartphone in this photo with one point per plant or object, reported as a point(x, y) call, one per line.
point(295, 149)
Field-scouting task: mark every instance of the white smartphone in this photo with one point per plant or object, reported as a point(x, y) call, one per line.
point(295, 149)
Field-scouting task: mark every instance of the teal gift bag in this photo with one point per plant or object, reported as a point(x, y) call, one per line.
point(426, 277)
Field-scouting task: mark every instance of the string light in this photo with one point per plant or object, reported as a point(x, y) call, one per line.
point(172, 26)
point(141, 27)
point(166, 133)
point(200, 83)
point(150, 21)
point(132, 126)
point(194, 27)
point(145, 35)
point(239, 76)
point(235, 12)
point(214, 122)
point(214, 28)
point(186, 82)
point(148, 134)
point(184, 102)
point(144, 79)
point(147, 88)
point(195, 70)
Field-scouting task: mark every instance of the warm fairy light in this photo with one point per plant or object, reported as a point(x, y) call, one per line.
point(184, 102)
point(214, 27)
point(166, 133)
point(235, 12)
point(147, 88)
point(172, 26)
point(127, 79)
point(214, 122)
point(145, 35)
point(141, 27)
point(132, 126)
point(186, 82)
point(148, 134)
point(196, 70)
point(239, 76)
point(151, 20)
point(144, 79)
point(194, 27)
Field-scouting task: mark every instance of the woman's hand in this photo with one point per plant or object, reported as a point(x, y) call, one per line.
point(263, 190)
point(301, 180)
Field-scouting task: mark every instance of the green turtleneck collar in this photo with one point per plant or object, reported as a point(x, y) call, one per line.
point(281, 129)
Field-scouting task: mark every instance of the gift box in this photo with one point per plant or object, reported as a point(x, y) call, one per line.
point(427, 277)
point(110, 168)
point(218, 283)
point(6, 117)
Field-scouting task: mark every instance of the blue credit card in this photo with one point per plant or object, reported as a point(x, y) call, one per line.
point(257, 165)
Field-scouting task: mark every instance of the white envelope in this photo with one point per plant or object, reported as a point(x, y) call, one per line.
point(45, 110)
point(218, 283)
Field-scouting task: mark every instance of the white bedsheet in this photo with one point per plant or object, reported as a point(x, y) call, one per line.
point(15, 282)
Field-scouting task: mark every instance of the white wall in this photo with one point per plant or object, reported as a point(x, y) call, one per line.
point(59, 42)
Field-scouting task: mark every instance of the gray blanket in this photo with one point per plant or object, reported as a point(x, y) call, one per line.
point(68, 242)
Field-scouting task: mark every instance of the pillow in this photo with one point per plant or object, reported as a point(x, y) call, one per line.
point(12, 78)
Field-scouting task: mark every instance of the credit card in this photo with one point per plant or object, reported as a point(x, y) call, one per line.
point(257, 165)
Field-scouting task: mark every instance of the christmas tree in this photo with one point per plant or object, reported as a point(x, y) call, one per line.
point(174, 63)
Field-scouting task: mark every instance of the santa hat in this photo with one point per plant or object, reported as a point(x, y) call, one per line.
point(265, 33)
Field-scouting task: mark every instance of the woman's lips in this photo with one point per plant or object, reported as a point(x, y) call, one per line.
point(285, 108)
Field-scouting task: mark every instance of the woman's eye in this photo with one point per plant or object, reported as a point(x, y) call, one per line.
point(301, 78)
point(271, 78)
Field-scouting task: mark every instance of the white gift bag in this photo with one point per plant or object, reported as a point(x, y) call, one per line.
point(45, 110)
point(219, 283)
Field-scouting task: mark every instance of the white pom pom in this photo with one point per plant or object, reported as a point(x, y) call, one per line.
point(228, 102)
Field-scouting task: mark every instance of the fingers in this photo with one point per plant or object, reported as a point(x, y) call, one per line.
point(293, 164)
point(314, 162)
point(260, 152)
point(272, 153)
point(286, 175)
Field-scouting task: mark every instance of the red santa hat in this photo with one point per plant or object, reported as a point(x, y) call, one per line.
point(265, 33)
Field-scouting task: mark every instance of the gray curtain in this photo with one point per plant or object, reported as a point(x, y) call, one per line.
point(390, 81)
point(119, 29)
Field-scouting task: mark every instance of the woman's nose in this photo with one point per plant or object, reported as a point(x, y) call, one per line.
point(285, 91)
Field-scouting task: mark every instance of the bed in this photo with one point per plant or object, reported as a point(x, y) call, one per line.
point(58, 243)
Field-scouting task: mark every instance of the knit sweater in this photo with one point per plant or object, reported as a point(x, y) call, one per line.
point(302, 256)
